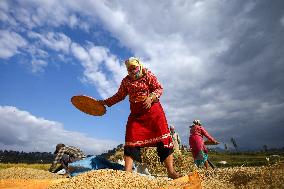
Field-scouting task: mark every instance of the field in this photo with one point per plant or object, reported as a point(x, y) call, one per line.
point(242, 170)
point(246, 158)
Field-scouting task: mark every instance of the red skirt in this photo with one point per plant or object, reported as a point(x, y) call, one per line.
point(147, 127)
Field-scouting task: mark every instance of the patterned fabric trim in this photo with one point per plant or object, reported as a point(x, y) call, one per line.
point(152, 140)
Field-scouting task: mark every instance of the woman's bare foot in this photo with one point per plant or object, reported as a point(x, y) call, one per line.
point(174, 175)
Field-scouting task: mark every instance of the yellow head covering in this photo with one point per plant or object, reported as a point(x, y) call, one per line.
point(132, 61)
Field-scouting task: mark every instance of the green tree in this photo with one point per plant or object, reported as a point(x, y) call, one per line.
point(225, 146)
point(265, 148)
point(234, 143)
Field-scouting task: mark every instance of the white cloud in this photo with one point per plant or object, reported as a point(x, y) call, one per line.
point(282, 21)
point(22, 131)
point(96, 60)
point(38, 13)
point(31, 14)
point(192, 44)
point(38, 66)
point(4, 5)
point(73, 20)
point(4, 17)
point(36, 51)
point(24, 17)
point(10, 42)
point(54, 41)
point(214, 54)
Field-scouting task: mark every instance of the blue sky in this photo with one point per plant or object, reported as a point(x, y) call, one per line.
point(218, 61)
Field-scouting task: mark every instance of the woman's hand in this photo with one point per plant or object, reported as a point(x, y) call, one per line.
point(148, 102)
point(102, 102)
point(211, 142)
point(216, 142)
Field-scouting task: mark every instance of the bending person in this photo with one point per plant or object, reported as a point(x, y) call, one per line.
point(66, 155)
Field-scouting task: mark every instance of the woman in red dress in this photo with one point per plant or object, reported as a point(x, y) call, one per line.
point(147, 125)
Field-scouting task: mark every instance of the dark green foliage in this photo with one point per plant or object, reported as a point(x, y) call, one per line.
point(25, 157)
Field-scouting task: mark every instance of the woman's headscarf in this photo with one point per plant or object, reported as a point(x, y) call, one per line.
point(196, 122)
point(134, 67)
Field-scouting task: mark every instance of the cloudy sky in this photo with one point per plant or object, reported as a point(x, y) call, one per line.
point(220, 61)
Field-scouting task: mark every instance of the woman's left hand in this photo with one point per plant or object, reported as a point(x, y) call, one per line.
point(216, 142)
point(148, 102)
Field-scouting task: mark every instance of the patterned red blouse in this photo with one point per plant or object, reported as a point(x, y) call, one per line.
point(136, 89)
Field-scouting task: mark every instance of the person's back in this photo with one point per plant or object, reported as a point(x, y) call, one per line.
point(73, 153)
point(198, 130)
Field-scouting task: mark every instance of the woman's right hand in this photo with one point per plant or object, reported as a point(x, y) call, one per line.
point(102, 102)
point(147, 103)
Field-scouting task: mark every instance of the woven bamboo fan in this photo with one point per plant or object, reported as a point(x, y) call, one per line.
point(209, 142)
point(88, 105)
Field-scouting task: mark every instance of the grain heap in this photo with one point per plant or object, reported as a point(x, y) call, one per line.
point(183, 165)
point(107, 178)
point(244, 177)
point(26, 173)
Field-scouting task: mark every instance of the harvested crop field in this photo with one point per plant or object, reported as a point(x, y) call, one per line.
point(244, 177)
point(237, 177)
